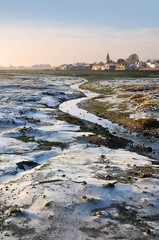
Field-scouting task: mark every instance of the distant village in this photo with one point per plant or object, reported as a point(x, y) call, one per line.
point(131, 63)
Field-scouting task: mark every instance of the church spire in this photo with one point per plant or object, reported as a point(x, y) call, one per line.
point(107, 58)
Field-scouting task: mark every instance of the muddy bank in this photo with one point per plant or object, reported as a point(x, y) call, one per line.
point(146, 127)
point(103, 137)
point(132, 103)
point(143, 144)
point(99, 135)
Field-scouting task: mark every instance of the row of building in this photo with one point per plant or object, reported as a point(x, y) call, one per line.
point(111, 65)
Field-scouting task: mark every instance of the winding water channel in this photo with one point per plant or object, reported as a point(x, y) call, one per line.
point(67, 174)
point(31, 132)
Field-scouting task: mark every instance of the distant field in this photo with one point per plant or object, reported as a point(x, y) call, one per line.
point(91, 75)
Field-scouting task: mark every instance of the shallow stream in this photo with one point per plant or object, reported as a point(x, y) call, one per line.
point(30, 130)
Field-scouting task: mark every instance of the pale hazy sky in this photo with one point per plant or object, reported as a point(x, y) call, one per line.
point(67, 31)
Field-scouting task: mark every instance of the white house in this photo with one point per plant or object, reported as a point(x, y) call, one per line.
point(153, 65)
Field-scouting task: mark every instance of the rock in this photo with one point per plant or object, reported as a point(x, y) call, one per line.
point(107, 166)
point(148, 231)
point(48, 204)
point(109, 185)
point(24, 164)
point(85, 198)
point(15, 211)
point(99, 213)
point(148, 149)
point(145, 175)
point(107, 177)
point(84, 182)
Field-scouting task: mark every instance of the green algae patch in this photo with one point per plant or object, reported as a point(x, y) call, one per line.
point(98, 88)
point(25, 139)
point(15, 211)
point(148, 122)
point(102, 158)
point(48, 204)
point(46, 145)
point(109, 185)
point(121, 116)
point(143, 172)
point(85, 198)
point(104, 110)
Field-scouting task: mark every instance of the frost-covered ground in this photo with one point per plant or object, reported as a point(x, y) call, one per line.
point(141, 96)
point(28, 124)
point(61, 182)
point(139, 141)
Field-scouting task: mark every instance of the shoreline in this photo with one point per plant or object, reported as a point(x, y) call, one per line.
point(78, 108)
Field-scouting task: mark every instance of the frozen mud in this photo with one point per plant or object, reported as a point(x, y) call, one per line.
point(58, 179)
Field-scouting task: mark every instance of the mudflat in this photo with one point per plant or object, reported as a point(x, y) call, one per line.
point(68, 173)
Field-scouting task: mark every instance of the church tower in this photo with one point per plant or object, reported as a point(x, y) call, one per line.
point(107, 60)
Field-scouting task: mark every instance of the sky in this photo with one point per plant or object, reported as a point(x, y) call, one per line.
point(67, 31)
